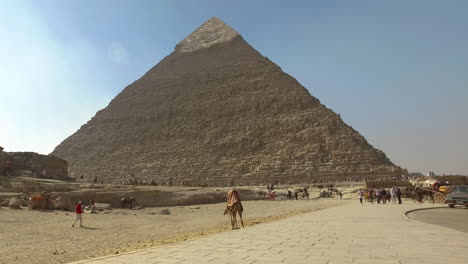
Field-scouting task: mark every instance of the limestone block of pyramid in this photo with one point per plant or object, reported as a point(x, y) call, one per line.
point(215, 110)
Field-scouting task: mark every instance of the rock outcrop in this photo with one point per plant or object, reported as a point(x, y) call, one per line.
point(15, 203)
point(216, 111)
point(33, 164)
point(63, 202)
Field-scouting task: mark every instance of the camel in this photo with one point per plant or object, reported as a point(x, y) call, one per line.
point(234, 207)
point(39, 200)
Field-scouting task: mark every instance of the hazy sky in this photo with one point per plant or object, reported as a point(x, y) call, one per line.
point(396, 71)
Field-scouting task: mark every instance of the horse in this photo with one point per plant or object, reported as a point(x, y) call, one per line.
point(424, 194)
point(234, 207)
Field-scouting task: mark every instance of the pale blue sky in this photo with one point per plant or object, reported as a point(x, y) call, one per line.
point(396, 71)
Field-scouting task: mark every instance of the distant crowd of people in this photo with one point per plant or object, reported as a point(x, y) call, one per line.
point(380, 195)
point(304, 193)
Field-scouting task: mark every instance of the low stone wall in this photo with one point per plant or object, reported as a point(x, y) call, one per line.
point(158, 198)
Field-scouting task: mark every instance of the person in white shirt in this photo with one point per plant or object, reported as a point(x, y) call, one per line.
point(393, 193)
point(360, 194)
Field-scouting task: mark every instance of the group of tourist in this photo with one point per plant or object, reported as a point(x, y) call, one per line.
point(304, 193)
point(380, 195)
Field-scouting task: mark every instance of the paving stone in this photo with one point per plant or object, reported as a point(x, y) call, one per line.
point(380, 235)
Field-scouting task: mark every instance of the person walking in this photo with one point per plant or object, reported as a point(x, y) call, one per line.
point(360, 193)
point(378, 195)
point(393, 194)
point(78, 211)
point(383, 193)
point(371, 195)
point(8, 168)
point(398, 194)
point(341, 195)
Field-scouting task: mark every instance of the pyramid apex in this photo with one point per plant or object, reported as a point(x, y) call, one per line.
point(213, 31)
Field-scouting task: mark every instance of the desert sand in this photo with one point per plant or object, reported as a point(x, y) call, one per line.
point(48, 237)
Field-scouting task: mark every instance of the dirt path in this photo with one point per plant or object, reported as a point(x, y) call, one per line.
point(47, 237)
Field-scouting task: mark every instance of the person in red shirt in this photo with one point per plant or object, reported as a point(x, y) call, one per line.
point(78, 211)
point(7, 170)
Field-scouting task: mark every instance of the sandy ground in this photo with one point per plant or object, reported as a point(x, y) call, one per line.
point(47, 237)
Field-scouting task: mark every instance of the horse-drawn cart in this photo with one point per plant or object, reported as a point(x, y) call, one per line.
point(432, 189)
point(435, 195)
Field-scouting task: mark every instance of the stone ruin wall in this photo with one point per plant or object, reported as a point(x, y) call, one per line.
point(25, 162)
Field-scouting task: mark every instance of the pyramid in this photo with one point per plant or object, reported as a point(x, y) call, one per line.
point(215, 111)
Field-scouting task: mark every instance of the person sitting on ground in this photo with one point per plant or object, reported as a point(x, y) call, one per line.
point(91, 208)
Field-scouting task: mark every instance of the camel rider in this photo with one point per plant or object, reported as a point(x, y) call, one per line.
point(435, 186)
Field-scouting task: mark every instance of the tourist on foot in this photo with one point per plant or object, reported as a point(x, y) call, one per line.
point(398, 193)
point(383, 193)
point(371, 195)
point(378, 195)
point(360, 194)
point(341, 195)
point(78, 212)
point(393, 194)
point(8, 168)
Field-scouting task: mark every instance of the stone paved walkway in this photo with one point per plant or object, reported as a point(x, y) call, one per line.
point(347, 234)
